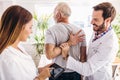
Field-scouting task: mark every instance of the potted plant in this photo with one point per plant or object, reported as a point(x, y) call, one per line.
point(41, 26)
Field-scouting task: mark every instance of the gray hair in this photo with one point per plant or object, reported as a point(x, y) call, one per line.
point(64, 9)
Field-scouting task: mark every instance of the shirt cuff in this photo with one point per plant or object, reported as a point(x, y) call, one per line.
point(70, 63)
point(74, 65)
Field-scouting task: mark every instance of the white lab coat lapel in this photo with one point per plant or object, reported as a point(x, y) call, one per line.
point(94, 45)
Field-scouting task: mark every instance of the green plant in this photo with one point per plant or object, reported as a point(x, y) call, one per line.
point(116, 28)
point(41, 26)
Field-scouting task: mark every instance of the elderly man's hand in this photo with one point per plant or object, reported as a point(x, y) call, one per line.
point(75, 38)
point(65, 49)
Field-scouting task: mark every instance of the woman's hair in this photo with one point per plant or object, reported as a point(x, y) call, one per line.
point(64, 9)
point(11, 23)
point(108, 10)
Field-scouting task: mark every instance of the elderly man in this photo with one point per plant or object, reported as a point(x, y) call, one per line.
point(58, 34)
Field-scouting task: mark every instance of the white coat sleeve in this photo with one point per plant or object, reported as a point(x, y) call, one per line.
point(104, 54)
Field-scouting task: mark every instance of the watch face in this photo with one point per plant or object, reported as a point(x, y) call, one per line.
point(56, 70)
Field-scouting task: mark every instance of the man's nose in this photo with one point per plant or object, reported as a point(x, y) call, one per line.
point(92, 22)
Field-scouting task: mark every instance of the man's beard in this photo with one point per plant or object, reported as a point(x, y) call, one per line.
point(100, 27)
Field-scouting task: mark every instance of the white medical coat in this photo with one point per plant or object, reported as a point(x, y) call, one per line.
point(15, 65)
point(101, 54)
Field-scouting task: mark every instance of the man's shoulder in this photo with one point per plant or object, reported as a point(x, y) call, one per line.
point(55, 26)
point(76, 28)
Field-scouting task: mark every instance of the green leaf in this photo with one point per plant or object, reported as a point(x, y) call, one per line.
point(41, 26)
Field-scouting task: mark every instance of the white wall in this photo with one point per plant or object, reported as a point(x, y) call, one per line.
point(81, 9)
point(29, 4)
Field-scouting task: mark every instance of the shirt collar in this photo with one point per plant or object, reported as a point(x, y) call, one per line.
point(101, 34)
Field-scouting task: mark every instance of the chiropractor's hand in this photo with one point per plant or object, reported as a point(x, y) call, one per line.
point(65, 49)
point(75, 38)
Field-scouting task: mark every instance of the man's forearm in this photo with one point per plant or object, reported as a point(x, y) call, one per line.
point(52, 51)
point(56, 52)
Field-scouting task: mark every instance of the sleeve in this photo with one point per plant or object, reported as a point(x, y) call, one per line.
point(49, 37)
point(104, 55)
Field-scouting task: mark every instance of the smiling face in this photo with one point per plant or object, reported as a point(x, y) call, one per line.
point(97, 21)
point(26, 31)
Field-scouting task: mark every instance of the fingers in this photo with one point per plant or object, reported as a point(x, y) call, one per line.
point(78, 32)
point(81, 35)
point(81, 38)
point(48, 65)
point(71, 32)
point(48, 71)
point(42, 68)
point(64, 45)
point(65, 48)
point(44, 73)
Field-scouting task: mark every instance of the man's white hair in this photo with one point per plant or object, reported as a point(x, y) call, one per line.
point(63, 8)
